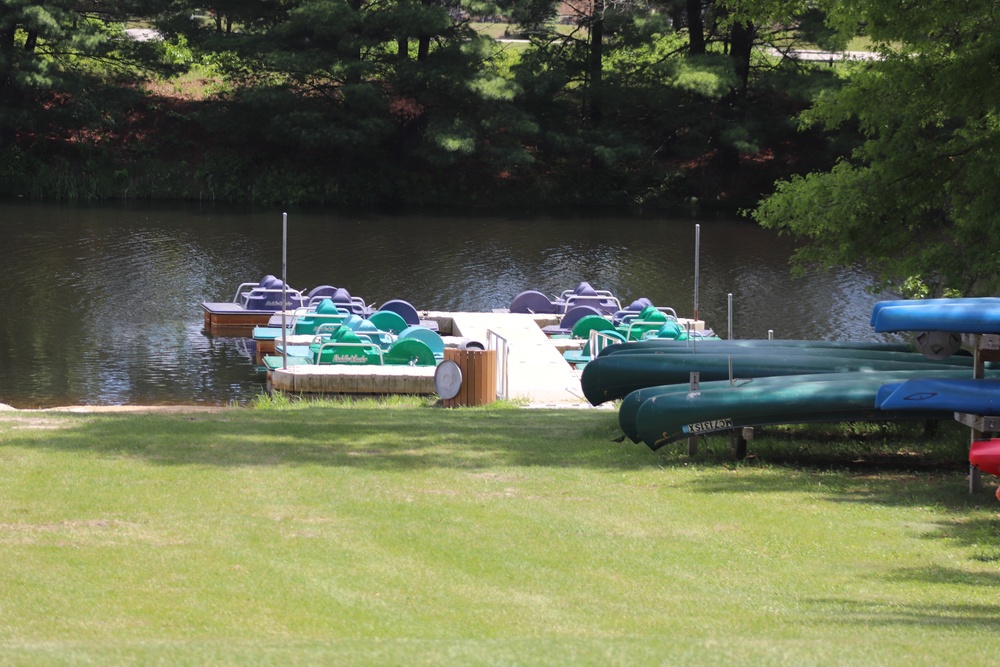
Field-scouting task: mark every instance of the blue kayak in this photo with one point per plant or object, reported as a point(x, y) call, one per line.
point(972, 396)
point(979, 317)
point(968, 301)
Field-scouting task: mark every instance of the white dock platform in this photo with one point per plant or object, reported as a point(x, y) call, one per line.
point(347, 379)
point(536, 370)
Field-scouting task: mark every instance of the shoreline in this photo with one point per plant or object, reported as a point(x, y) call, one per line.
point(120, 408)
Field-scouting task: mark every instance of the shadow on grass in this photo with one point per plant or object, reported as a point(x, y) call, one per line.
point(381, 438)
point(848, 447)
point(909, 469)
point(399, 439)
point(853, 613)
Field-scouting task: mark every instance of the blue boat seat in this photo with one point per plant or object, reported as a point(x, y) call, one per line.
point(572, 316)
point(402, 308)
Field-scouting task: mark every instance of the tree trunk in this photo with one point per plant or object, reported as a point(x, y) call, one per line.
point(595, 66)
point(424, 43)
point(676, 14)
point(7, 39)
point(696, 28)
point(741, 38)
point(353, 52)
point(8, 92)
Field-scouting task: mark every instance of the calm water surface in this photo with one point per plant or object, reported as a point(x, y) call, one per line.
point(101, 305)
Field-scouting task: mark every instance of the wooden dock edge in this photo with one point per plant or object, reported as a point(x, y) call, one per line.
point(345, 379)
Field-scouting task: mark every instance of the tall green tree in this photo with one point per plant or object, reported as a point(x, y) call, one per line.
point(50, 52)
point(917, 200)
point(368, 92)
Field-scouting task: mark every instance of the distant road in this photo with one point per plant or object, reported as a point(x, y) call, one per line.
point(143, 34)
point(147, 34)
point(823, 56)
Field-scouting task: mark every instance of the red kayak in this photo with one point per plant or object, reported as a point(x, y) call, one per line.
point(985, 455)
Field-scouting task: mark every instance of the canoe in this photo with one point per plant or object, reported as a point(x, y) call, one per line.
point(969, 395)
point(971, 318)
point(630, 405)
point(985, 455)
point(708, 345)
point(612, 377)
point(669, 417)
point(961, 360)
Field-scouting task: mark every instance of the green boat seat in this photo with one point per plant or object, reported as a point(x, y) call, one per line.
point(432, 339)
point(388, 321)
point(344, 346)
point(409, 352)
point(589, 323)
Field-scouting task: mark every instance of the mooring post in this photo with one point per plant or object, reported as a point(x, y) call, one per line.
point(692, 438)
point(697, 261)
point(730, 308)
point(284, 290)
point(978, 372)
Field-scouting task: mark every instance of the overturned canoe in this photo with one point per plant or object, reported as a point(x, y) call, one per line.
point(669, 417)
point(615, 376)
point(629, 408)
point(663, 345)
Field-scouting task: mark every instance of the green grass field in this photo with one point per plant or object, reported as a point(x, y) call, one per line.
point(407, 535)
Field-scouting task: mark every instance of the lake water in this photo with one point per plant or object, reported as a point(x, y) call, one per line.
point(101, 304)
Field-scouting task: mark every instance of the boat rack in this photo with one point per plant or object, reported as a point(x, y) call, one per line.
point(984, 347)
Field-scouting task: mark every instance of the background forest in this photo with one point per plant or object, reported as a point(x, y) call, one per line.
point(406, 102)
point(889, 159)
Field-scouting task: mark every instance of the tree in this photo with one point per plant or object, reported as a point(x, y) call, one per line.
point(373, 95)
point(917, 199)
point(63, 47)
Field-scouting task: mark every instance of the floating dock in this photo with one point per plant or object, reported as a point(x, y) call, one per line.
point(349, 379)
point(231, 319)
point(531, 366)
point(535, 368)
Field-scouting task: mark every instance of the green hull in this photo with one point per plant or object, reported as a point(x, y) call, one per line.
point(629, 408)
point(669, 417)
point(759, 345)
point(608, 378)
point(963, 361)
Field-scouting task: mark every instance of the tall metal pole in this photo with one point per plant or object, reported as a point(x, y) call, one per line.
point(730, 300)
point(697, 268)
point(284, 289)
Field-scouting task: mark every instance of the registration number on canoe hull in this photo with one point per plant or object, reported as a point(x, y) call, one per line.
point(711, 425)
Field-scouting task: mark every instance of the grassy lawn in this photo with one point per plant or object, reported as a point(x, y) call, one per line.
point(402, 535)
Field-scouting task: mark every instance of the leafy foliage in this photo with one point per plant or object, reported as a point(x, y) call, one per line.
point(402, 102)
point(917, 197)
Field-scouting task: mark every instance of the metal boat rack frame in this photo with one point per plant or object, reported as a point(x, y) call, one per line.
point(985, 347)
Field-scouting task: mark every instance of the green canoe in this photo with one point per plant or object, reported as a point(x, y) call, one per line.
point(615, 376)
point(669, 417)
point(629, 408)
point(709, 345)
